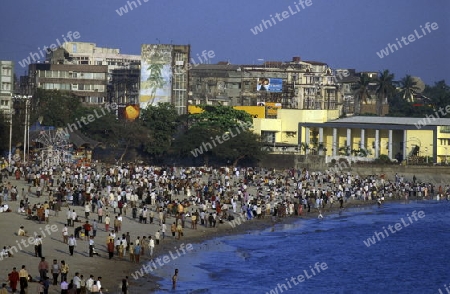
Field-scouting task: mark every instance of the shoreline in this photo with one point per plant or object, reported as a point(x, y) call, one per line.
point(225, 229)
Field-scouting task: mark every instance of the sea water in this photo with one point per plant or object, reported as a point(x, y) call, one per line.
point(413, 259)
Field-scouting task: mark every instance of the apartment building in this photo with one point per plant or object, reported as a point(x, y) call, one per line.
point(6, 85)
point(85, 53)
point(294, 84)
point(88, 82)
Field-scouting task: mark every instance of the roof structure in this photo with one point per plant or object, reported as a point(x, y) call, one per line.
point(389, 120)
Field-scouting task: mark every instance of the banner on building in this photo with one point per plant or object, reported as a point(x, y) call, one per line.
point(269, 85)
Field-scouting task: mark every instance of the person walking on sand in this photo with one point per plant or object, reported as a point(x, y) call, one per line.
point(173, 229)
point(175, 279)
point(23, 279)
point(43, 269)
point(65, 234)
point(137, 252)
point(151, 246)
point(180, 231)
point(13, 278)
point(107, 222)
point(64, 270)
point(72, 243)
point(131, 252)
point(111, 248)
point(56, 270)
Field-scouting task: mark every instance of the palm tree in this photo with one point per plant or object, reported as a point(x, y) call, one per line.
point(385, 89)
point(362, 90)
point(409, 88)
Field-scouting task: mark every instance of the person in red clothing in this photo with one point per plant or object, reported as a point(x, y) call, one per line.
point(13, 278)
point(111, 248)
point(87, 229)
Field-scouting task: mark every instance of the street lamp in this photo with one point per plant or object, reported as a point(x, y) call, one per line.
point(26, 133)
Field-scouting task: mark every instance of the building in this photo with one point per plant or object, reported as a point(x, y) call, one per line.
point(417, 140)
point(349, 85)
point(164, 75)
point(85, 53)
point(294, 84)
point(124, 85)
point(88, 82)
point(6, 85)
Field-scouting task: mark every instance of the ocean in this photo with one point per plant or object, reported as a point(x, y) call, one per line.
point(398, 248)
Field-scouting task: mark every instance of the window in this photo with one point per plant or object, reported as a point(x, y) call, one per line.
point(74, 48)
point(6, 71)
point(268, 137)
point(445, 129)
point(6, 86)
point(98, 76)
point(4, 103)
point(93, 100)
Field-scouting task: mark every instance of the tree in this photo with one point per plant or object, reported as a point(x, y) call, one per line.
point(362, 90)
point(220, 132)
point(220, 117)
point(385, 89)
point(4, 133)
point(162, 122)
point(409, 88)
point(439, 95)
point(57, 108)
point(246, 145)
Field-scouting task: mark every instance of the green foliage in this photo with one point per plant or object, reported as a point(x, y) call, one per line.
point(162, 122)
point(408, 88)
point(438, 98)
point(220, 117)
point(383, 159)
point(57, 108)
point(4, 133)
point(244, 145)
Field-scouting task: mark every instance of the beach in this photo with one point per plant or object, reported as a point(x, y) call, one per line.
point(114, 270)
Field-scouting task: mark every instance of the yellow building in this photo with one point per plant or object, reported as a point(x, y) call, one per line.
point(281, 133)
point(368, 136)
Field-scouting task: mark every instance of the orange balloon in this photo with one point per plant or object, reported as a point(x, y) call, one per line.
point(131, 112)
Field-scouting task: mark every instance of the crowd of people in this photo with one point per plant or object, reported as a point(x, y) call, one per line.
point(96, 200)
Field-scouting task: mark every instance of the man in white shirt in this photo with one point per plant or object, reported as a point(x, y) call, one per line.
point(89, 283)
point(77, 282)
point(72, 243)
point(99, 282)
point(65, 233)
point(74, 217)
point(151, 245)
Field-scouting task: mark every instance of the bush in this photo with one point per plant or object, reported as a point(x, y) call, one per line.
point(383, 159)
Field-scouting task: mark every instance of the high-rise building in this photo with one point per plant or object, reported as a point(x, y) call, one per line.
point(164, 75)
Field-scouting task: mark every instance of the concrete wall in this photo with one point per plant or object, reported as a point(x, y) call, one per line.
point(432, 174)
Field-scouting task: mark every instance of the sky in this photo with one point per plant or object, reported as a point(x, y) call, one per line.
point(341, 33)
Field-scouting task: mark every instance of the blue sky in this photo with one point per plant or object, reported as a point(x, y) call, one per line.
point(342, 33)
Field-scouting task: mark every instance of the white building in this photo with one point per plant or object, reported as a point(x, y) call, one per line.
point(6, 85)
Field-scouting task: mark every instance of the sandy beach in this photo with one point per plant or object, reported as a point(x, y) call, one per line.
point(114, 270)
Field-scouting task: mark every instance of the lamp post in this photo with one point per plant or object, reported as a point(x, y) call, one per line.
point(10, 135)
point(26, 124)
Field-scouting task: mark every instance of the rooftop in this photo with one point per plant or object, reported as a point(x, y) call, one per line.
point(389, 120)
